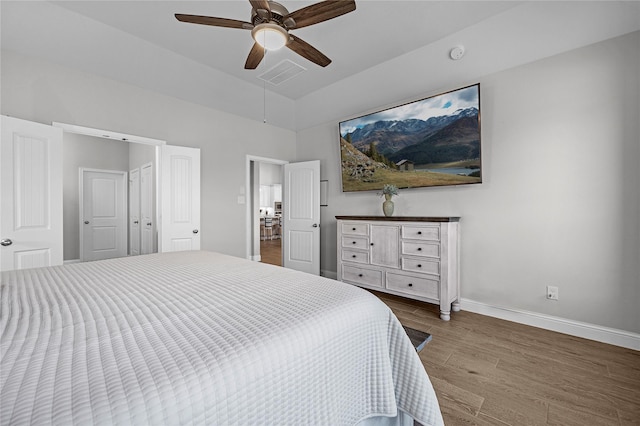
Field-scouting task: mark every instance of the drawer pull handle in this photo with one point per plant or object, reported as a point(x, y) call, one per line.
point(419, 266)
point(410, 285)
point(371, 244)
point(354, 256)
point(360, 275)
point(354, 242)
point(353, 229)
point(419, 248)
point(419, 232)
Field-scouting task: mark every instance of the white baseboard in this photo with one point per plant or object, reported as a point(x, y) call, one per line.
point(598, 333)
point(66, 262)
point(257, 258)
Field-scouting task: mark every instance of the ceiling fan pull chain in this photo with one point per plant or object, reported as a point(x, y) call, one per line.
point(264, 92)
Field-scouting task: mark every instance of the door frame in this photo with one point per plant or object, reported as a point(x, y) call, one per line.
point(124, 176)
point(247, 198)
point(108, 134)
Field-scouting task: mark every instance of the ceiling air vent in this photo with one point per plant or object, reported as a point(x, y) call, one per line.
point(282, 72)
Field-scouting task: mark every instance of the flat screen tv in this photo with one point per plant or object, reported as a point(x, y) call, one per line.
point(429, 142)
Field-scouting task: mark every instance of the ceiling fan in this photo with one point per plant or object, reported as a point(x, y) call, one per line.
point(270, 25)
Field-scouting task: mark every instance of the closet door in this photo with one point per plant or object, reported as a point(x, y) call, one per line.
point(180, 192)
point(146, 209)
point(31, 195)
point(103, 214)
point(134, 212)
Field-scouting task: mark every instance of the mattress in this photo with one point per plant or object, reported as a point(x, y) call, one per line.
point(201, 338)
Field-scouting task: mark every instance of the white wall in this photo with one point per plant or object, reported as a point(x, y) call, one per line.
point(270, 174)
point(41, 91)
point(560, 202)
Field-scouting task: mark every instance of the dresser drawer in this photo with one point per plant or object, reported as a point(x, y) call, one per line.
point(424, 287)
point(416, 248)
point(355, 242)
point(370, 277)
point(355, 228)
point(424, 233)
point(355, 256)
point(421, 265)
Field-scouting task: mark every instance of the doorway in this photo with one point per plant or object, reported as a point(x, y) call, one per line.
point(104, 150)
point(300, 218)
point(264, 209)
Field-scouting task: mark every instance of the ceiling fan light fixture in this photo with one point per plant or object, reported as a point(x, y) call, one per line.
point(270, 36)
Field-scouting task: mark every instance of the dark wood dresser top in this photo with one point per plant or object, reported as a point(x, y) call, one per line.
point(400, 218)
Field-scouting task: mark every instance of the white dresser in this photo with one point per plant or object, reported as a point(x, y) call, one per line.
point(414, 257)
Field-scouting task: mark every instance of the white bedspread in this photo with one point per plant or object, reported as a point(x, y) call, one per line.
point(200, 338)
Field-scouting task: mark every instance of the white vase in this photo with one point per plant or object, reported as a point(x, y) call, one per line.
point(387, 205)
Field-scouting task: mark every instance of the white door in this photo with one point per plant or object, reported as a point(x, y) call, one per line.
point(103, 214)
point(180, 192)
point(146, 208)
point(134, 212)
point(31, 195)
point(301, 204)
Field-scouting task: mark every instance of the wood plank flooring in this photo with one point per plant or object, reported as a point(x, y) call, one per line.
point(488, 371)
point(271, 252)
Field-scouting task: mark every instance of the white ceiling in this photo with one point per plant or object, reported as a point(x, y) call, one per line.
point(141, 43)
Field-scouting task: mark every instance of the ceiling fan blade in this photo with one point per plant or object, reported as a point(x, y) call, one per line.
point(320, 12)
point(305, 50)
point(255, 56)
point(262, 8)
point(216, 22)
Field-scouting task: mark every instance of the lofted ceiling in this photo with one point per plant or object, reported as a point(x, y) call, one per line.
point(141, 42)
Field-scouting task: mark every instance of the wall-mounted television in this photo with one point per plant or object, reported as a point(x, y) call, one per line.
point(430, 142)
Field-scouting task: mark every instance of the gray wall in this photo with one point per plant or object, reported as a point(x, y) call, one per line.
point(560, 201)
point(89, 152)
point(270, 174)
point(559, 204)
point(44, 92)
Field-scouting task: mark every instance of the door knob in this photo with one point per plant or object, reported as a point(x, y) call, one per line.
point(86, 222)
point(195, 231)
point(6, 242)
point(315, 225)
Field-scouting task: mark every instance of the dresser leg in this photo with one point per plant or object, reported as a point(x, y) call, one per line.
point(455, 306)
point(445, 315)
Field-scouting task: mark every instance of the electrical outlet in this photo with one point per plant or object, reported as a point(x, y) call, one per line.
point(552, 292)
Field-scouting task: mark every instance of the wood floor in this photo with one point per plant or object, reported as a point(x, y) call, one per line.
point(271, 252)
point(488, 371)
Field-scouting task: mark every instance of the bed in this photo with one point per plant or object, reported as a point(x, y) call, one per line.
point(201, 338)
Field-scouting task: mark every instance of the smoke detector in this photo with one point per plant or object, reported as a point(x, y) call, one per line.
point(457, 52)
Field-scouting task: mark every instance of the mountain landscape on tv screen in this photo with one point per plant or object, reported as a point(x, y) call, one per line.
point(442, 150)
